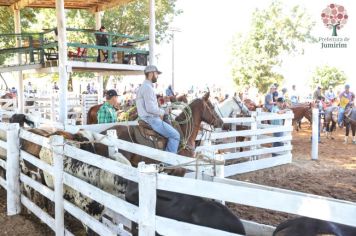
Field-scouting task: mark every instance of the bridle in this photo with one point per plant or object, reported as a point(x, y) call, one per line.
point(239, 103)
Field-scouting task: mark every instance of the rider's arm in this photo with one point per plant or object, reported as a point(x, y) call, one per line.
point(151, 102)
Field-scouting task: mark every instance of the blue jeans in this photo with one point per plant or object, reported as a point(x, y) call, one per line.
point(340, 116)
point(277, 144)
point(166, 131)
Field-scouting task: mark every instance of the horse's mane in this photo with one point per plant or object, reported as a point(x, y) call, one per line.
point(182, 116)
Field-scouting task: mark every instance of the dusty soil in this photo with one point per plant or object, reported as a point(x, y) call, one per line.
point(333, 175)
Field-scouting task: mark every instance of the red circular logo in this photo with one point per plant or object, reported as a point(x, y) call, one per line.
point(334, 17)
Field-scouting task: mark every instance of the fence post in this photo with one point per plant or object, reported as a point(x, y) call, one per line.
point(288, 123)
point(253, 137)
point(53, 108)
point(112, 134)
point(14, 104)
point(220, 169)
point(84, 111)
point(315, 134)
point(13, 170)
point(57, 143)
point(147, 199)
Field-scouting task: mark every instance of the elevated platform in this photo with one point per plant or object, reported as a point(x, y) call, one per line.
point(77, 66)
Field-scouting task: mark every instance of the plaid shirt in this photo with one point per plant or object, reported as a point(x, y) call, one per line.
point(107, 114)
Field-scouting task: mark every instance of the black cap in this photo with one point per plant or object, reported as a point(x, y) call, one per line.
point(111, 93)
point(280, 99)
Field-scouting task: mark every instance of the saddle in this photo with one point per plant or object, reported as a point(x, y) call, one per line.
point(145, 135)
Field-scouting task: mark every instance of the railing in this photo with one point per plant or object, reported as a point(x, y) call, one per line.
point(120, 49)
point(258, 148)
point(148, 181)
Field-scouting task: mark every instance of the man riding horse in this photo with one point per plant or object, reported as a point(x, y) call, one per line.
point(346, 99)
point(107, 112)
point(148, 110)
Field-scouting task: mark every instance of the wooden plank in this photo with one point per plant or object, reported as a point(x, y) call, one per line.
point(243, 133)
point(127, 172)
point(155, 154)
point(42, 215)
point(238, 120)
point(34, 138)
point(3, 183)
point(114, 203)
point(273, 116)
point(308, 205)
point(261, 151)
point(87, 219)
point(42, 189)
point(36, 162)
point(253, 228)
point(257, 165)
point(165, 226)
point(3, 164)
point(267, 139)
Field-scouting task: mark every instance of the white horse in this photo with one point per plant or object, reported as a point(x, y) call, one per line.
point(231, 106)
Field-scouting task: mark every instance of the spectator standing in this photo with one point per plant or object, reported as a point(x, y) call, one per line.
point(278, 109)
point(102, 40)
point(169, 91)
point(294, 96)
point(269, 98)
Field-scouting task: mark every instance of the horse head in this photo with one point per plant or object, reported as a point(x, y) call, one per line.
point(209, 115)
point(21, 119)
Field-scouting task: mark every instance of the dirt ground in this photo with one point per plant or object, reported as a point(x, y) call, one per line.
point(333, 175)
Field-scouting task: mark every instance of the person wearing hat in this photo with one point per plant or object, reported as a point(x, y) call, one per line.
point(275, 93)
point(330, 95)
point(148, 110)
point(107, 112)
point(346, 99)
point(317, 93)
point(278, 109)
point(102, 40)
point(269, 98)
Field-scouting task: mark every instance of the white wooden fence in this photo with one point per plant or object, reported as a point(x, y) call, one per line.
point(47, 107)
point(258, 149)
point(148, 179)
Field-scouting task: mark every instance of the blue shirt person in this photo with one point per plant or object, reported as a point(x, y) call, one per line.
point(148, 110)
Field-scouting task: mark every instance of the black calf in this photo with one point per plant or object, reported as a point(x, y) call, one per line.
point(21, 119)
point(190, 209)
point(305, 226)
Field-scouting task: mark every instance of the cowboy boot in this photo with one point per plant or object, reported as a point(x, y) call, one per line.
point(346, 139)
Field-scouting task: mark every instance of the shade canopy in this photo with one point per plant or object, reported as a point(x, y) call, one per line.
point(93, 5)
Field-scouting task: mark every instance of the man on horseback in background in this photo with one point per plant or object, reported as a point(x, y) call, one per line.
point(346, 99)
point(148, 110)
point(330, 95)
point(107, 112)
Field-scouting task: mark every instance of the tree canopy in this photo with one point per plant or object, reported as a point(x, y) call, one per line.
point(328, 76)
point(275, 32)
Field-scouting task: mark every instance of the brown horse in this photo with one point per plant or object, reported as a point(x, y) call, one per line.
point(251, 105)
point(164, 99)
point(330, 116)
point(201, 109)
point(300, 111)
point(350, 122)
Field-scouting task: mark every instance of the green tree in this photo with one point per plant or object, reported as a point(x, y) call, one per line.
point(328, 76)
point(275, 32)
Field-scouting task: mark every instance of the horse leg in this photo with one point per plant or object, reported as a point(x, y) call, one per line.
point(353, 128)
point(333, 127)
point(347, 133)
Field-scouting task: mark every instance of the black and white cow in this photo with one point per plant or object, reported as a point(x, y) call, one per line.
point(304, 226)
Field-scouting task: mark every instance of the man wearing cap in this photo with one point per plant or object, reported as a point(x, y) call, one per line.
point(346, 98)
point(107, 112)
point(330, 95)
point(148, 110)
point(317, 93)
point(269, 98)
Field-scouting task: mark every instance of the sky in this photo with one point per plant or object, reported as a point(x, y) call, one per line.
point(202, 48)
